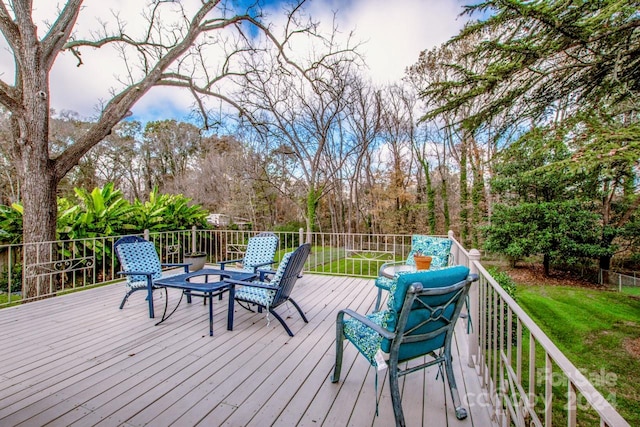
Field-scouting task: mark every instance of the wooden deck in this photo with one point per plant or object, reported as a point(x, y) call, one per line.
point(77, 360)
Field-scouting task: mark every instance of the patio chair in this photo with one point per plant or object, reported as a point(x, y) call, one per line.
point(141, 266)
point(422, 310)
point(270, 295)
point(260, 252)
point(438, 248)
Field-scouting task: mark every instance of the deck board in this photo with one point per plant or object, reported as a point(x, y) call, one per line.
point(77, 360)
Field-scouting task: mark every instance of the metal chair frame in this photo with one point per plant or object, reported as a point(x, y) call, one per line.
point(418, 297)
point(284, 279)
point(149, 275)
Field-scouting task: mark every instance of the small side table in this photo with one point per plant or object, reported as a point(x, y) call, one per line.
point(390, 271)
point(208, 289)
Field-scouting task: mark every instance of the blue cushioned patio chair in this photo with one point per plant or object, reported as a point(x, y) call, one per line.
point(438, 248)
point(141, 266)
point(420, 318)
point(270, 295)
point(260, 252)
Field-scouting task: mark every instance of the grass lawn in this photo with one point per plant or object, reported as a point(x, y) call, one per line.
point(631, 290)
point(4, 299)
point(599, 331)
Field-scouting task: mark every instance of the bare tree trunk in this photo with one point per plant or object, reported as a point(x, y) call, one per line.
point(546, 263)
point(464, 197)
point(39, 227)
point(30, 129)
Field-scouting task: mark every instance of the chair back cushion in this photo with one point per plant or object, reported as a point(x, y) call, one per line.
point(260, 250)
point(139, 256)
point(428, 312)
point(438, 248)
point(290, 273)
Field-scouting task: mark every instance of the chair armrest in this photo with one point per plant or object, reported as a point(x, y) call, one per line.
point(148, 276)
point(252, 284)
point(257, 269)
point(136, 273)
point(264, 273)
point(365, 320)
point(184, 265)
point(223, 263)
point(262, 264)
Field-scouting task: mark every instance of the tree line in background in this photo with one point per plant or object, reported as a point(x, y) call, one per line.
point(521, 134)
point(554, 86)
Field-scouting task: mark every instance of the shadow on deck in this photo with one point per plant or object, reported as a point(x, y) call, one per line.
point(78, 360)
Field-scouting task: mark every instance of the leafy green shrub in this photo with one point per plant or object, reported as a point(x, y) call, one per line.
point(16, 279)
point(11, 223)
point(510, 287)
point(504, 280)
point(290, 235)
point(167, 212)
point(290, 227)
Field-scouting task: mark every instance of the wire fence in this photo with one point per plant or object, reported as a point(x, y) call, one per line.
point(627, 283)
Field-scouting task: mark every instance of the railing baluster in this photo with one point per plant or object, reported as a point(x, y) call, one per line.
point(548, 390)
point(532, 371)
point(572, 404)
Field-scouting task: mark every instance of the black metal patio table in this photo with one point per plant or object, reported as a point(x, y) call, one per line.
point(205, 289)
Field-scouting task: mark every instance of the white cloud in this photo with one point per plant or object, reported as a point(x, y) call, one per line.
point(395, 32)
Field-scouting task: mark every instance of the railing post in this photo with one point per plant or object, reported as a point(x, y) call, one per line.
point(454, 248)
point(146, 234)
point(301, 235)
point(474, 255)
point(193, 239)
point(619, 282)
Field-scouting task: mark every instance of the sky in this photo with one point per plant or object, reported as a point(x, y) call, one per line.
point(393, 34)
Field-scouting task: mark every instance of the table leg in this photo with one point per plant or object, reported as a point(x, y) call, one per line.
point(210, 314)
point(150, 298)
point(232, 294)
point(165, 316)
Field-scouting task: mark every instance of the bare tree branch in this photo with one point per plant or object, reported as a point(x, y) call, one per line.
point(59, 33)
point(9, 96)
point(9, 28)
point(116, 109)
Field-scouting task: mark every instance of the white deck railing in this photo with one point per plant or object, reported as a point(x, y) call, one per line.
point(527, 379)
point(525, 376)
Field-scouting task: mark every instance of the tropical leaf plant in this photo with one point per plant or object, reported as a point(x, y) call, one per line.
point(101, 212)
point(11, 223)
point(165, 212)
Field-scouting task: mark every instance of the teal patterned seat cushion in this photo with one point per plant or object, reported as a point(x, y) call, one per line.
point(366, 340)
point(384, 282)
point(139, 257)
point(259, 296)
